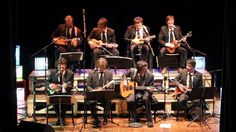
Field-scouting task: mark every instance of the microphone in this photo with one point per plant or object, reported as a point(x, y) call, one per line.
point(96, 69)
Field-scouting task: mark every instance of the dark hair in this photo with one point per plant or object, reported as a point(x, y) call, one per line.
point(62, 61)
point(102, 22)
point(138, 19)
point(141, 64)
point(192, 62)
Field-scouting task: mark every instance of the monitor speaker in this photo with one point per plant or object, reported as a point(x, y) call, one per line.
point(26, 126)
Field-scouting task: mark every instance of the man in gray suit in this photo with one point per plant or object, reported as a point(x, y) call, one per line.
point(143, 77)
point(97, 79)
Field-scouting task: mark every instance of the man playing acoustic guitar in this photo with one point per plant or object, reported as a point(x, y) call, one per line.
point(185, 81)
point(143, 77)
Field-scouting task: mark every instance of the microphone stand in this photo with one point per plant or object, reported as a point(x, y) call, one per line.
point(85, 102)
point(194, 51)
point(45, 73)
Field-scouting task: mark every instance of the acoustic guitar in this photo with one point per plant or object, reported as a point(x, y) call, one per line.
point(99, 43)
point(129, 89)
point(178, 43)
point(179, 89)
point(140, 41)
point(63, 41)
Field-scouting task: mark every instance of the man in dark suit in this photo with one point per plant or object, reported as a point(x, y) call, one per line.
point(143, 77)
point(102, 35)
point(60, 82)
point(96, 80)
point(168, 39)
point(135, 37)
point(188, 78)
point(71, 34)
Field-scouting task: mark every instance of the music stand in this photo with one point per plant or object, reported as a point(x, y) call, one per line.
point(119, 62)
point(107, 94)
point(72, 57)
point(202, 94)
point(59, 99)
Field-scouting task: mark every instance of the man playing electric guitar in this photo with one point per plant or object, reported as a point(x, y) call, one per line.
point(143, 77)
point(186, 80)
point(60, 82)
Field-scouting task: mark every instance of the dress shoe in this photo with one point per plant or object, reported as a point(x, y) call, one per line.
point(105, 121)
point(96, 124)
point(150, 124)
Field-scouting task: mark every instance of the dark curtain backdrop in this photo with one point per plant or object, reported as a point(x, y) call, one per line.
point(227, 95)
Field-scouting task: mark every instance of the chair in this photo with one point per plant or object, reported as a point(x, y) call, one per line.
point(61, 99)
point(139, 56)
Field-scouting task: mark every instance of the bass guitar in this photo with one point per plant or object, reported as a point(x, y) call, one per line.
point(178, 43)
point(129, 89)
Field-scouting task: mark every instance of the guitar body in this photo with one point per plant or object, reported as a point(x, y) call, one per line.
point(125, 91)
point(61, 41)
point(99, 43)
point(172, 50)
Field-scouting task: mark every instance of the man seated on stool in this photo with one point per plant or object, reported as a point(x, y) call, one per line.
point(97, 79)
point(60, 82)
point(143, 77)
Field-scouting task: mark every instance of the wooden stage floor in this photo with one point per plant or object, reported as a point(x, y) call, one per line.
point(163, 125)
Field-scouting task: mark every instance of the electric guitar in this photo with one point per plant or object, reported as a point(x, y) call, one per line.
point(177, 43)
point(180, 88)
point(140, 41)
point(126, 90)
point(63, 41)
point(99, 43)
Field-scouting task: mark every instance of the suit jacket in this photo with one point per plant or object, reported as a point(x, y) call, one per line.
point(93, 79)
point(146, 80)
point(197, 78)
point(96, 34)
point(131, 32)
point(68, 78)
point(61, 31)
point(163, 36)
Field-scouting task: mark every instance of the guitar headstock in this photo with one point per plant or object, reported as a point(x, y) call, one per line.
point(189, 34)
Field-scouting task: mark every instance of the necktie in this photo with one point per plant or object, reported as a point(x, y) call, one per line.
point(190, 81)
point(103, 37)
point(101, 81)
point(68, 33)
point(60, 75)
point(171, 36)
point(138, 34)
